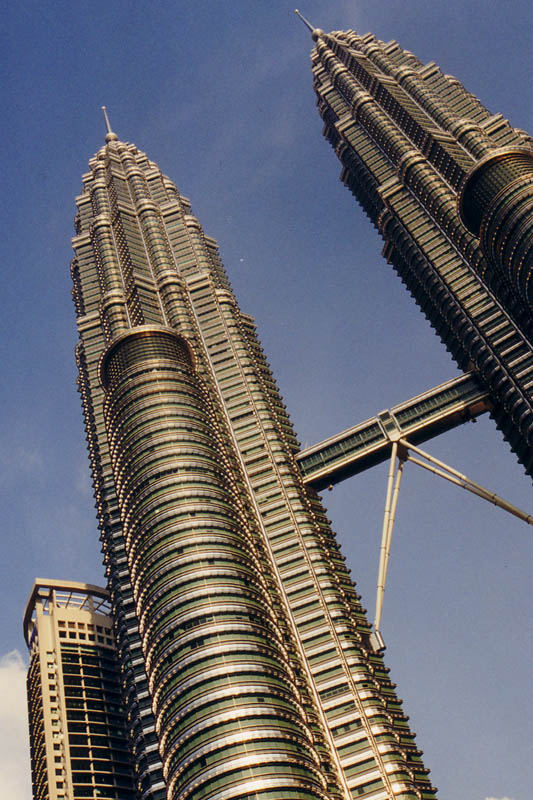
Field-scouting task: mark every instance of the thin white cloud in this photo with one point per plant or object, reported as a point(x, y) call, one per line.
point(14, 746)
point(497, 798)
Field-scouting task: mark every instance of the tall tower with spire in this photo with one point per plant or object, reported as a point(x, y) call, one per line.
point(449, 187)
point(246, 656)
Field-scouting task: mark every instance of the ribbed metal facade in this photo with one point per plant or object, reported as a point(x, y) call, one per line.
point(421, 154)
point(226, 708)
point(245, 651)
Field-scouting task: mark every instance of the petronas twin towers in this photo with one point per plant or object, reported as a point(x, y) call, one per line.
point(243, 646)
point(246, 659)
point(449, 187)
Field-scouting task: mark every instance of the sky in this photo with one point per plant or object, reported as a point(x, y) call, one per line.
point(220, 95)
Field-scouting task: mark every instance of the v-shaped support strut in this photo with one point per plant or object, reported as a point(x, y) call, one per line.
point(400, 453)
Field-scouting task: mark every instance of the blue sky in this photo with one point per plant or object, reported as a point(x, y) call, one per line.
point(220, 95)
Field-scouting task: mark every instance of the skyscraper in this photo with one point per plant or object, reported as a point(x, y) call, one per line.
point(78, 740)
point(448, 186)
point(245, 652)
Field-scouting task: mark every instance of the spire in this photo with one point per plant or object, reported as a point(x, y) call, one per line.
point(111, 136)
point(315, 32)
point(304, 20)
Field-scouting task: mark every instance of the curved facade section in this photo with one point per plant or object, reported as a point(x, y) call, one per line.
point(496, 204)
point(226, 708)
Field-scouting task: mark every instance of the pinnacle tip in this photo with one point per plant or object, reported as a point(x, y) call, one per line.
point(304, 20)
point(111, 136)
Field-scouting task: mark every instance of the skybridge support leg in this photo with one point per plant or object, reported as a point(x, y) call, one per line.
point(400, 452)
point(391, 504)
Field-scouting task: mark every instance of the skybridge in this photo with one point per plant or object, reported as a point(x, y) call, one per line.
point(419, 419)
point(394, 435)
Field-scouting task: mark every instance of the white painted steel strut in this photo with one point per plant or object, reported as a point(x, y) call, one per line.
point(399, 455)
